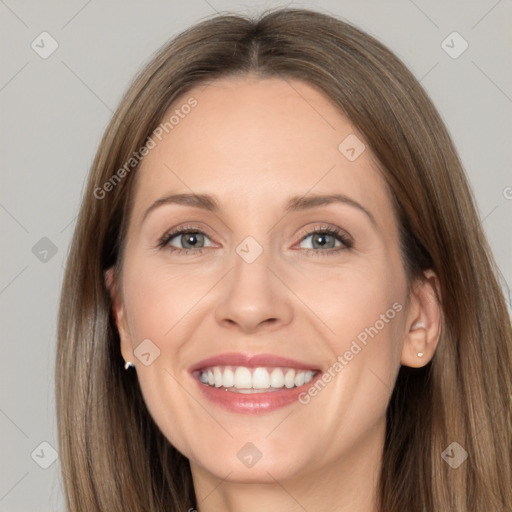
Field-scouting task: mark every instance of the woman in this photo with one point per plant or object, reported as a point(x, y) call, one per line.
point(278, 294)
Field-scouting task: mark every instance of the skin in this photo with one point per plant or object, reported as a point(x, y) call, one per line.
point(253, 143)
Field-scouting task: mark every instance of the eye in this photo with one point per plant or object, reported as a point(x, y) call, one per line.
point(326, 239)
point(192, 240)
point(185, 239)
point(189, 240)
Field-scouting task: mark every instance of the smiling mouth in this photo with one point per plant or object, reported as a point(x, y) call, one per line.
point(243, 379)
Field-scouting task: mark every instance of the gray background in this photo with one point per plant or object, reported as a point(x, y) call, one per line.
point(54, 111)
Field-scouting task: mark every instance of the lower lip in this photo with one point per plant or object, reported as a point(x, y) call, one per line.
point(254, 403)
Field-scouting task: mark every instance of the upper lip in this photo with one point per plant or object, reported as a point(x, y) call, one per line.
point(251, 361)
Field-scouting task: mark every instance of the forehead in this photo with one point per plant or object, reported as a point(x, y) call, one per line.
point(254, 142)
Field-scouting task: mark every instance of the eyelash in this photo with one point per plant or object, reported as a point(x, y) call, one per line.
point(346, 241)
point(324, 230)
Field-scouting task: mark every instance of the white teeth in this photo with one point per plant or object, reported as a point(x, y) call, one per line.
point(243, 378)
point(249, 380)
point(260, 379)
point(277, 378)
point(228, 380)
point(217, 375)
point(299, 379)
point(289, 378)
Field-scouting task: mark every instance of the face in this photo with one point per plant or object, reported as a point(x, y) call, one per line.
point(267, 337)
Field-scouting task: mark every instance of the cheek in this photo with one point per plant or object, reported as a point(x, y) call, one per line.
point(157, 299)
point(364, 308)
point(158, 305)
point(353, 299)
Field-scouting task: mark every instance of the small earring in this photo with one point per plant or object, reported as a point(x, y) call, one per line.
point(420, 354)
point(128, 365)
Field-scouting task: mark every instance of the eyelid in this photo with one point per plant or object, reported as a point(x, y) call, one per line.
point(345, 238)
point(173, 232)
point(321, 227)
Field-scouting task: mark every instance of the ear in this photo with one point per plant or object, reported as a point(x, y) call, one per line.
point(423, 322)
point(118, 312)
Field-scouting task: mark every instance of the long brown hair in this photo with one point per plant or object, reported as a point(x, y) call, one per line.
point(113, 455)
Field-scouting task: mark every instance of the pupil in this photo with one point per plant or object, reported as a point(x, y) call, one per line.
point(321, 240)
point(191, 239)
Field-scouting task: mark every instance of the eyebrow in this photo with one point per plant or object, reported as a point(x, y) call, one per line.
point(203, 201)
point(296, 203)
point(304, 202)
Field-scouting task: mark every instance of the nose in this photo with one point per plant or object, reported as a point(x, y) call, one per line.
point(253, 297)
